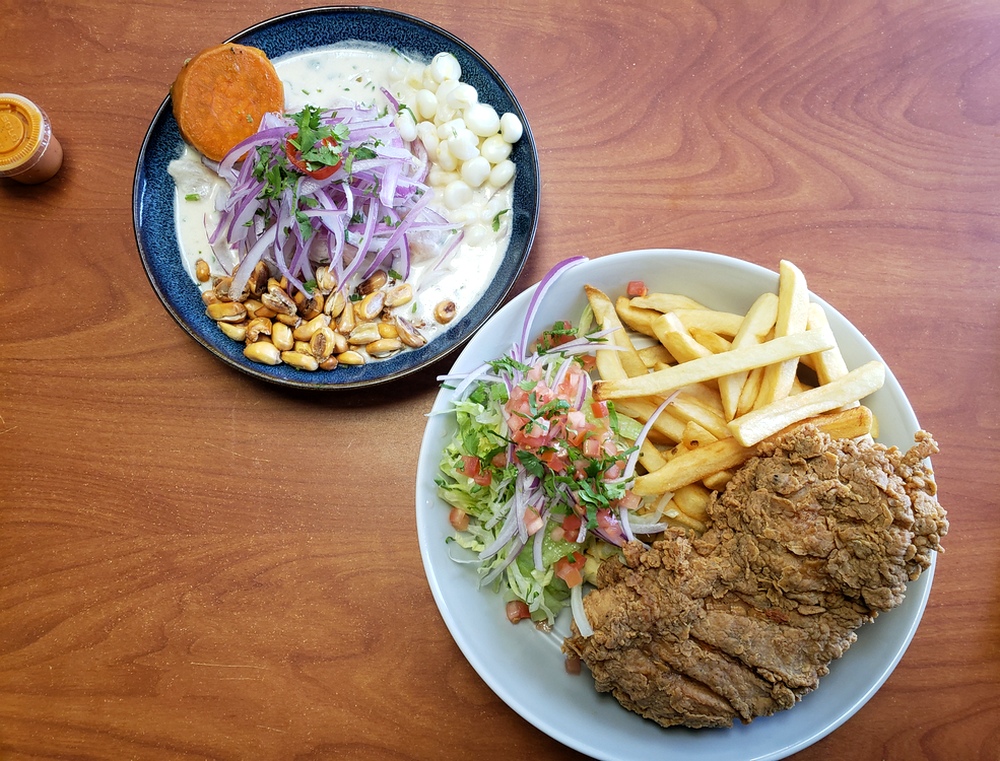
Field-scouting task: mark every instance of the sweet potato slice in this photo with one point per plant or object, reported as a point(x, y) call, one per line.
point(221, 94)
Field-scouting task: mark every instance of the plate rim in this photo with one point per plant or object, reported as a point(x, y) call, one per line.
point(497, 291)
point(916, 598)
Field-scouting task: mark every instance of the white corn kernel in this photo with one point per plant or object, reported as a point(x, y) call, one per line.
point(502, 173)
point(477, 235)
point(426, 104)
point(406, 126)
point(463, 96)
point(457, 194)
point(495, 149)
point(445, 159)
point(464, 145)
point(482, 119)
point(511, 127)
point(450, 128)
point(427, 133)
point(438, 177)
point(445, 66)
point(475, 171)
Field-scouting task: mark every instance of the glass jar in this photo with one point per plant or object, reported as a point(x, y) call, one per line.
point(29, 152)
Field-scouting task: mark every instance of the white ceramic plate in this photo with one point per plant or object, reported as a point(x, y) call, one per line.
point(525, 667)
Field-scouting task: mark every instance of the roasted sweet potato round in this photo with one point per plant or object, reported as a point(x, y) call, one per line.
point(221, 94)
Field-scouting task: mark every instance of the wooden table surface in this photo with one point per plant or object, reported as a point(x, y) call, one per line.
point(195, 564)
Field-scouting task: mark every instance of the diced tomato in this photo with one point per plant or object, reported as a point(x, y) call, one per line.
point(571, 526)
point(570, 569)
point(556, 461)
point(533, 522)
point(589, 361)
point(629, 501)
point(499, 460)
point(517, 610)
point(459, 519)
point(636, 288)
point(600, 409)
point(472, 468)
point(592, 448)
point(609, 524)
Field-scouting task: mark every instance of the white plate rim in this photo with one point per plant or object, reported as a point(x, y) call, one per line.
point(880, 645)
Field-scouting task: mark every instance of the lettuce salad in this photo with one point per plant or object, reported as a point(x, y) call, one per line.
point(538, 473)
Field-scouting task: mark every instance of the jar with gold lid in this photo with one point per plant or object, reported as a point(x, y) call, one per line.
point(29, 152)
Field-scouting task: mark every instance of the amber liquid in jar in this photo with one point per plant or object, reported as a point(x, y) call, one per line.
point(29, 152)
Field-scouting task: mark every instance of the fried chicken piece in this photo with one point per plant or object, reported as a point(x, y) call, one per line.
point(809, 540)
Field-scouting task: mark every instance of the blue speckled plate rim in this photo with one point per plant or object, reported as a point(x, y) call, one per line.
point(153, 207)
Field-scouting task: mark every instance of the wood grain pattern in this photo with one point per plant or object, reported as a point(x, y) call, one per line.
point(193, 565)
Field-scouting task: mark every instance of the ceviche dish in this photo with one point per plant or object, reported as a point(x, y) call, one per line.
point(702, 493)
point(338, 205)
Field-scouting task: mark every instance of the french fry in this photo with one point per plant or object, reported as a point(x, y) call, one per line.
point(792, 317)
point(723, 323)
point(662, 382)
point(642, 410)
point(829, 365)
point(754, 329)
point(691, 409)
point(692, 500)
point(665, 302)
point(717, 481)
point(656, 354)
point(700, 463)
point(624, 361)
point(712, 341)
point(671, 332)
point(695, 435)
point(750, 391)
point(650, 457)
point(765, 421)
point(640, 320)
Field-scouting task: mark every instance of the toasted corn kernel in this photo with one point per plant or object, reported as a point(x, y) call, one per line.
point(334, 305)
point(383, 347)
point(350, 357)
point(277, 299)
point(253, 305)
point(227, 311)
point(235, 330)
point(299, 360)
point(370, 306)
point(291, 320)
point(326, 281)
point(202, 271)
point(305, 331)
point(409, 334)
point(257, 283)
point(221, 287)
point(364, 333)
point(302, 347)
point(399, 295)
point(322, 343)
point(445, 311)
point(209, 297)
point(347, 320)
point(388, 330)
point(330, 363)
point(340, 344)
point(281, 336)
point(309, 306)
point(373, 283)
point(264, 352)
point(257, 327)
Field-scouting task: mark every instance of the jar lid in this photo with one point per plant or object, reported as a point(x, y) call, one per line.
point(22, 128)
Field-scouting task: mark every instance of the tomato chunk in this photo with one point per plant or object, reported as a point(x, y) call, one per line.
point(636, 288)
point(517, 610)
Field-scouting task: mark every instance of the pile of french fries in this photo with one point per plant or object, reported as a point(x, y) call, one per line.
point(737, 380)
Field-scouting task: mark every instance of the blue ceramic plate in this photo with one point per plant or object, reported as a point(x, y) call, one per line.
point(524, 666)
point(153, 191)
